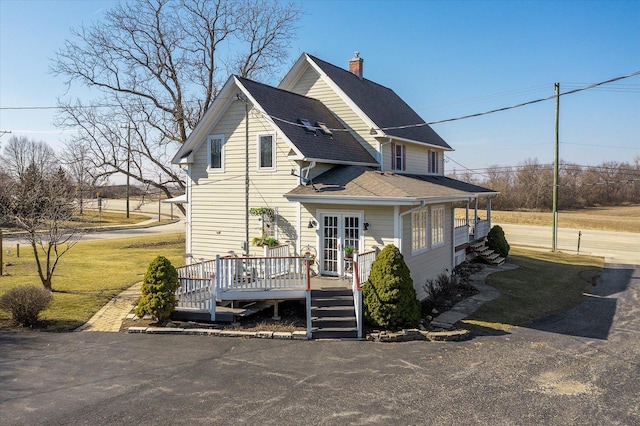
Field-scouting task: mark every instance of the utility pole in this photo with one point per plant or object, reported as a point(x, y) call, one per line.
point(128, 165)
point(556, 168)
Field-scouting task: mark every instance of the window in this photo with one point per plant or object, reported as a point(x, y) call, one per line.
point(216, 152)
point(266, 152)
point(398, 157)
point(433, 162)
point(418, 231)
point(437, 226)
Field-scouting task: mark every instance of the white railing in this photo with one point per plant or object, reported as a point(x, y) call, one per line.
point(459, 222)
point(278, 251)
point(196, 285)
point(460, 235)
point(260, 273)
point(361, 269)
point(481, 229)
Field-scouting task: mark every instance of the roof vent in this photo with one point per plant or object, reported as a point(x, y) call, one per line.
point(307, 125)
point(323, 128)
point(356, 65)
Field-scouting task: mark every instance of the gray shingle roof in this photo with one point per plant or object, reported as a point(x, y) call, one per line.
point(382, 105)
point(358, 181)
point(341, 146)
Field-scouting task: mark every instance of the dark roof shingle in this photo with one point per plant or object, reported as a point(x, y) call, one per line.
point(286, 108)
point(358, 181)
point(382, 105)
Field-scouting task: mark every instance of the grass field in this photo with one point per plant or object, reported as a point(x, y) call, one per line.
point(89, 275)
point(621, 218)
point(545, 283)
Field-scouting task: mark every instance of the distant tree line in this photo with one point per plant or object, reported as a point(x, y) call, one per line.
point(529, 185)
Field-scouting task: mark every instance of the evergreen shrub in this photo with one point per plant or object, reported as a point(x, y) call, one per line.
point(497, 242)
point(389, 299)
point(159, 290)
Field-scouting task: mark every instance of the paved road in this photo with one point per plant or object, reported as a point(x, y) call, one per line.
point(580, 367)
point(615, 247)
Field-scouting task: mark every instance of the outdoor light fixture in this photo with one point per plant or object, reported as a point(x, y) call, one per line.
point(365, 226)
point(312, 223)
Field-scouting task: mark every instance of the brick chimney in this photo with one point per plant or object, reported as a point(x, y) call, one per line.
point(356, 65)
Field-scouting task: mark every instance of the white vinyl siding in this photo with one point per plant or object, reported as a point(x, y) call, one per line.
point(266, 152)
point(218, 200)
point(437, 226)
point(419, 229)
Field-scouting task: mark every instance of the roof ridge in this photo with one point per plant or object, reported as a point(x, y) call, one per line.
point(349, 72)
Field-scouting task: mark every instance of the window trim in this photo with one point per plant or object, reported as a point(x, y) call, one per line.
point(433, 162)
point(395, 157)
point(210, 139)
point(437, 212)
point(419, 233)
point(259, 152)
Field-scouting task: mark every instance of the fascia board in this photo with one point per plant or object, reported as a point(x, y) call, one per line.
point(292, 76)
point(414, 142)
point(381, 201)
point(211, 116)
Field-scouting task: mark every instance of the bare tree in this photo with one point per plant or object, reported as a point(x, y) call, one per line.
point(20, 152)
point(40, 204)
point(158, 65)
point(77, 160)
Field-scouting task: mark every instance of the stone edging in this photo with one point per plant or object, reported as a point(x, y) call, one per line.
point(415, 334)
point(295, 335)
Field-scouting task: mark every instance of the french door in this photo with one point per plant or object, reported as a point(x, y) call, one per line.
point(338, 230)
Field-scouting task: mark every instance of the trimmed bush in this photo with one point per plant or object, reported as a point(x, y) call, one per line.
point(389, 299)
point(497, 242)
point(25, 303)
point(159, 290)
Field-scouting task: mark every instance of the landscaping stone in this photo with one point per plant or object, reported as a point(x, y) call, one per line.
point(137, 329)
point(299, 335)
point(265, 334)
point(281, 335)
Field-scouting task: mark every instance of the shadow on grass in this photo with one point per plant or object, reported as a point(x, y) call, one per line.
point(594, 317)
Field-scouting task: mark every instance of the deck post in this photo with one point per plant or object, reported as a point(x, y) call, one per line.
point(215, 285)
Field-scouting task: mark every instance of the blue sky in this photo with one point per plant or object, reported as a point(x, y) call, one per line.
point(444, 58)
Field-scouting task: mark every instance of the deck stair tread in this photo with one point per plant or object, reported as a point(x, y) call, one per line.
point(333, 314)
point(488, 255)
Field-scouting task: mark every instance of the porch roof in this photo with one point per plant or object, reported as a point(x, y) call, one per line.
point(359, 185)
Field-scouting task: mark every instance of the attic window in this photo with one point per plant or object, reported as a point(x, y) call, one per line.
point(324, 128)
point(307, 125)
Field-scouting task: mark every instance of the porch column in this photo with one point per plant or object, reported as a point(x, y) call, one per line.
point(467, 213)
point(489, 212)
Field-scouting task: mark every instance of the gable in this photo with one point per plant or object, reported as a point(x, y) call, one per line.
point(379, 104)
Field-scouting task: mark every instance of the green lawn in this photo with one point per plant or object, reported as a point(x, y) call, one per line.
point(545, 283)
point(89, 275)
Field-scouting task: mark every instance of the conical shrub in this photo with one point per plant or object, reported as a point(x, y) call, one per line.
point(497, 242)
point(389, 297)
point(159, 290)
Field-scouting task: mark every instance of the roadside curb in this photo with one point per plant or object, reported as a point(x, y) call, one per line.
point(276, 335)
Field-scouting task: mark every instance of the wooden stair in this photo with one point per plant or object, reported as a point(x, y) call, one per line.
point(333, 314)
point(488, 255)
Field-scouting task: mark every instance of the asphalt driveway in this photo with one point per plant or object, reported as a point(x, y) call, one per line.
point(580, 367)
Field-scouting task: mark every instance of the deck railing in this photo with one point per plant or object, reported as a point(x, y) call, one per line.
point(460, 235)
point(196, 285)
point(261, 273)
point(361, 269)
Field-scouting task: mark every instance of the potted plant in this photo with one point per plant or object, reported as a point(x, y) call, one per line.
point(348, 252)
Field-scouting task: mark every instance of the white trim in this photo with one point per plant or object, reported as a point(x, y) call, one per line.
point(424, 238)
point(423, 144)
point(397, 228)
point(378, 201)
point(210, 139)
point(442, 227)
point(273, 167)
